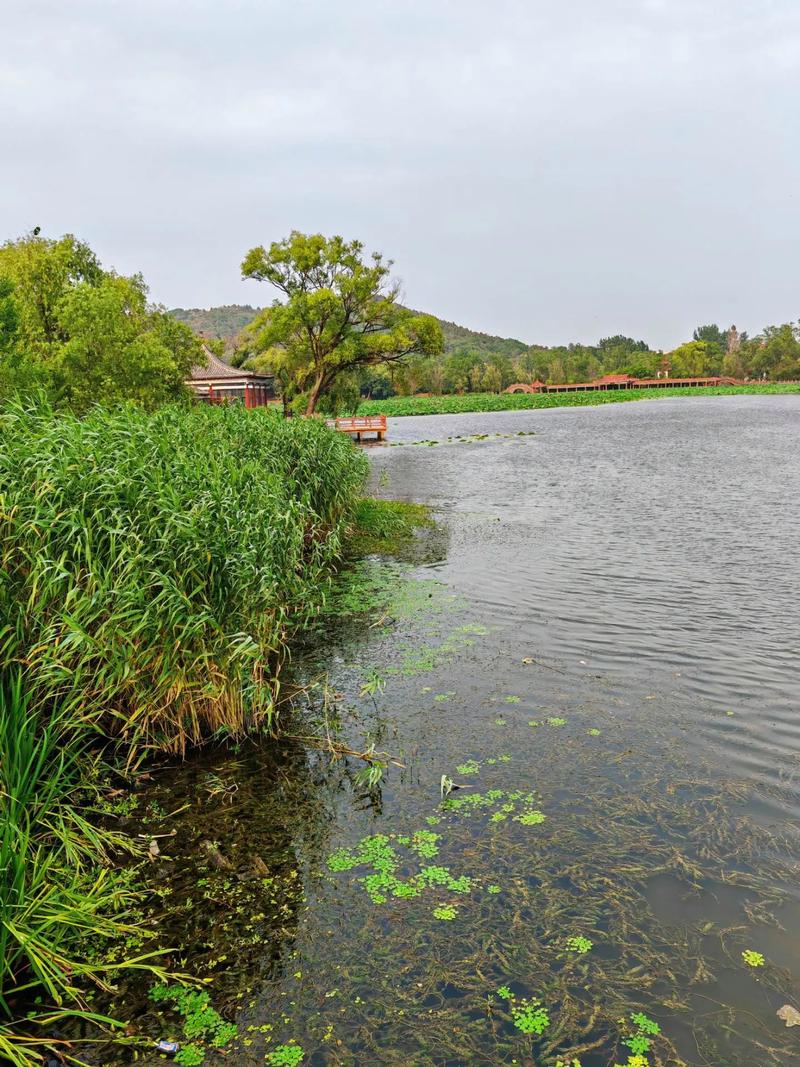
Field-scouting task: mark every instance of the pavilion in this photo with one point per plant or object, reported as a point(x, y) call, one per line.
point(220, 383)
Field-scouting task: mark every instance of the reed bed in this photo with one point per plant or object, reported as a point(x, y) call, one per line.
point(63, 905)
point(154, 566)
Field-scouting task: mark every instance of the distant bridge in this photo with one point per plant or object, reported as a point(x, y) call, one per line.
point(620, 381)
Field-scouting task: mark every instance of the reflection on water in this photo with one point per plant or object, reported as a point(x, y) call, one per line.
point(609, 635)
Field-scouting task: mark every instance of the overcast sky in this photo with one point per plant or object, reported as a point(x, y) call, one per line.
point(552, 170)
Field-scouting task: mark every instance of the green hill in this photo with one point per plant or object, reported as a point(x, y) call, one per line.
point(222, 323)
point(227, 321)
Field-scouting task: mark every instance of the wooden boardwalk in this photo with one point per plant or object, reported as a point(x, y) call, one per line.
point(356, 425)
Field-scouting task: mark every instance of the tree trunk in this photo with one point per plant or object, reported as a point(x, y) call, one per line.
point(314, 395)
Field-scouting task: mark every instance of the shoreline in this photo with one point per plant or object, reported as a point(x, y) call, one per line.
point(456, 404)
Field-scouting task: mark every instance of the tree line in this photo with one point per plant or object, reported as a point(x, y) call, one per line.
point(335, 333)
point(773, 354)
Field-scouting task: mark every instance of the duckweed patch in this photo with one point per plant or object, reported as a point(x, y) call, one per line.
point(201, 1022)
point(285, 1056)
point(470, 766)
point(753, 958)
point(528, 1013)
point(579, 944)
point(380, 852)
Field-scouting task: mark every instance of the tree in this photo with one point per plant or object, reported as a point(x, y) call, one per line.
point(492, 378)
point(338, 313)
point(712, 335)
point(84, 334)
point(9, 315)
point(776, 353)
point(120, 348)
point(694, 359)
point(43, 271)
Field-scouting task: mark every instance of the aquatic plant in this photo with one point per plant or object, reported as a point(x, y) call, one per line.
point(519, 806)
point(445, 911)
point(155, 565)
point(640, 1032)
point(190, 1055)
point(200, 1020)
point(579, 944)
point(286, 1056)
point(752, 958)
point(379, 853)
point(528, 1013)
point(470, 766)
point(451, 404)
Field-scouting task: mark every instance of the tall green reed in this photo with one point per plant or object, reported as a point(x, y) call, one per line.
point(154, 566)
point(63, 904)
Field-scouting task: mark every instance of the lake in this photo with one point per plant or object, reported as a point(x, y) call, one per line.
point(598, 645)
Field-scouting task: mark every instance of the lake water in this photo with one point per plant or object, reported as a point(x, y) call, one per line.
point(599, 644)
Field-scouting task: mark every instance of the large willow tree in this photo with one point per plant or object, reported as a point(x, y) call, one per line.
point(338, 313)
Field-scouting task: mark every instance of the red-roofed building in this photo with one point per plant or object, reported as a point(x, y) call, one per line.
point(220, 383)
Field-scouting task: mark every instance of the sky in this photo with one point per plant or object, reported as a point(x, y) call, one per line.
point(552, 170)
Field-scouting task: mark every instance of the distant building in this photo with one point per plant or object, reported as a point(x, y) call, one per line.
point(220, 383)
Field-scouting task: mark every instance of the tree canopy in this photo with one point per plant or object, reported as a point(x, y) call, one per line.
point(339, 313)
point(84, 334)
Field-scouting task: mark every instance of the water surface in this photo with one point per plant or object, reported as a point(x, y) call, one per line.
point(605, 635)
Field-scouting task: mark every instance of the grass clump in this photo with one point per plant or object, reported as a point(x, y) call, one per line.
point(385, 527)
point(156, 564)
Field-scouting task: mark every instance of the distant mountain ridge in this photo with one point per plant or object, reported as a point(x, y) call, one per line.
point(226, 322)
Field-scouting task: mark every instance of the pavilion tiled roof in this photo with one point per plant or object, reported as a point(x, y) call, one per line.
point(216, 369)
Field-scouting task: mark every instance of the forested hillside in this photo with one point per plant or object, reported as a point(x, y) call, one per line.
point(225, 322)
point(479, 362)
point(220, 323)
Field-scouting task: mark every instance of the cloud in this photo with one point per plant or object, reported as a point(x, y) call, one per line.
point(550, 170)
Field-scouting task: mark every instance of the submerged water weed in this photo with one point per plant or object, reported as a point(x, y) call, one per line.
point(200, 1021)
point(471, 766)
point(286, 1056)
point(446, 912)
point(379, 853)
point(529, 1014)
point(753, 958)
point(579, 944)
